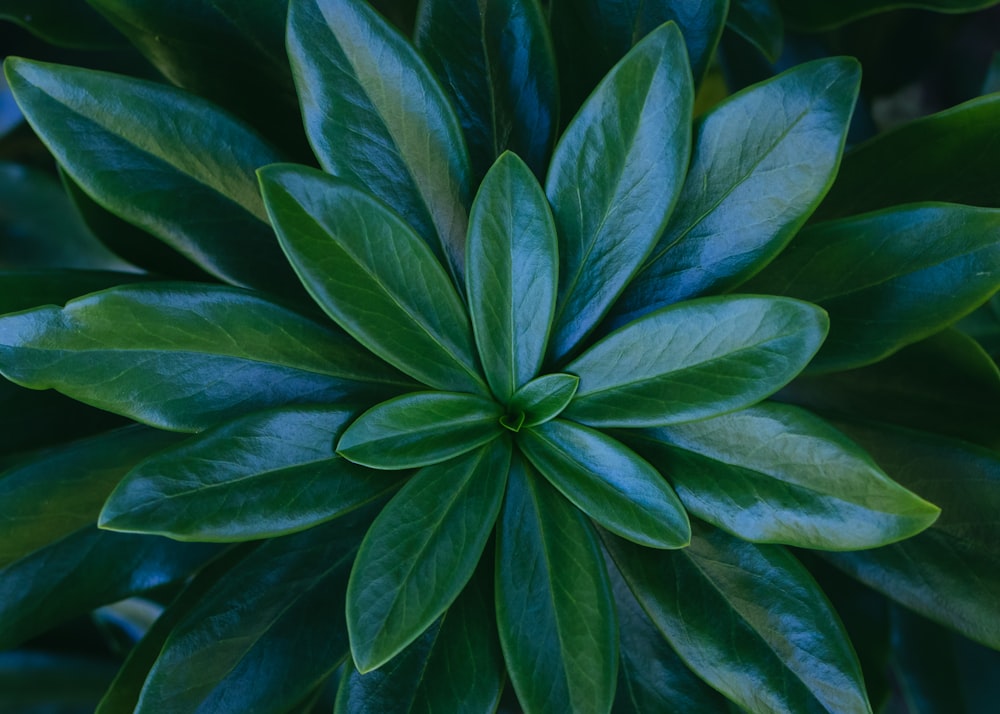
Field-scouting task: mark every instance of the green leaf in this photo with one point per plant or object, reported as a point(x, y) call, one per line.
point(945, 384)
point(890, 278)
point(817, 15)
point(554, 607)
point(749, 620)
point(496, 63)
point(950, 573)
point(25, 289)
point(614, 178)
point(72, 24)
point(924, 669)
point(419, 429)
point(544, 398)
point(698, 359)
point(373, 275)
point(592, 35)
point(511, 275)
point(160, 149)
point(756, 175)
point(358, 79)
point(455, 666)
point(421, 551)
point(759, 22)
point(267, 474)
point(198, 355)
point(53, 494)
point(777, 474)
point(229, 52)
point(914, 163)
point(608, 482)
point(32, 681)
point(242, 646)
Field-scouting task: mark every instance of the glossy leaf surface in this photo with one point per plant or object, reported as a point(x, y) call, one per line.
point(759, 22)
point(762, 161)
point(267, 474)
point(772, 473)
point(495, 61)
point(749, 620)
point(373, 275)
point(912, 163)
point(694, 360)
point(951, 572)
point(454, 666)
point(608, 482)
point(195, 355)
point(358, 78)
point(241, 646)
point(420, 429)
point(545, 397)
point(554, 607)
point(815, 15)
point(511, 275)
point(889, 278)
point(142, 157)
point(614, 177)
point(421, 551)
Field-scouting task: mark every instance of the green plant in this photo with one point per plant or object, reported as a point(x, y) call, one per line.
point(588, 399)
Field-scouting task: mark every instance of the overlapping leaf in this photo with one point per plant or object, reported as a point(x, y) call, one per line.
point(185, 357)
point(544, 398)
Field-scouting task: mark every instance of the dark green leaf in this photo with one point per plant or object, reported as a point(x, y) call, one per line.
point(231, 52)
point(591, 35)
point(749, 620)
point(951, 572)
point(945, 384)
point(33, 682)
point(915, 163)
point(421, 551)
point(816, 15)
point(923, 666)
point(495, 61)
point(266, 634)
point(373, 275)
point(55, 493)
point(759, 22)
point(545, 397)
point(757, 174)
point(68, 24)
point(697, 359)
point(511, 275)
point(376, 117)
point(190, 356)
point(890, 278)
point(777, 474)
point(24, 289)
point(614, 177)
point(160, 149)
point(608, 482)
point(455, 666)
point(267, 474)
point(419, 429)
point(554, 606)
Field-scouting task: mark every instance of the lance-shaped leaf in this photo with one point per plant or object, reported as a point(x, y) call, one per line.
point(910, 163)
point(773, 473)
point(749, 620)
point(267, 474)
point(185, 357)
point(544, 398)
point(420, 429)
point(614, 177)
point(554, 607)
point(816, 15)
point(511, 275)
point(495, 61)
point(759, 22)
point(142, 149)
point(694, 360)
point(889, 278)
point(608, 482)
point(454, 666)
point(241, 646)
point(762, 161)
point(421, 551)
point(373, 275)
point(950, 573)
point(376, 116)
